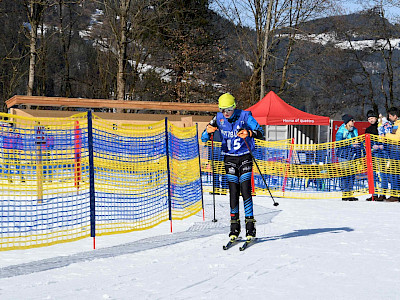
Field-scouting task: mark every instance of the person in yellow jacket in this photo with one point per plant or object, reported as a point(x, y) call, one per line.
point(393, 113)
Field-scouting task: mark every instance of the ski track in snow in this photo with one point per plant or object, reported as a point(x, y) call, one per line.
point(198, 230)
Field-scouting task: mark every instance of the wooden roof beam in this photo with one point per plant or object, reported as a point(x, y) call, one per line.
point(101, 103)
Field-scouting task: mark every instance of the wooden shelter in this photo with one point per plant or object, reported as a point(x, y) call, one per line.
point(101, 103)
point(17, 106)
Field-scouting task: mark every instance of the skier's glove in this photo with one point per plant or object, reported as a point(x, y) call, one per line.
point(211, 129)
point(244, 133)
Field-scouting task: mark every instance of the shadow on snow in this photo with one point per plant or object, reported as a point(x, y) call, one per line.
point(304, 232)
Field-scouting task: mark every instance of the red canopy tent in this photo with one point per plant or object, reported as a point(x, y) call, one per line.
point(272, 110)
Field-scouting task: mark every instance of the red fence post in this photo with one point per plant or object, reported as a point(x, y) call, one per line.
point(370, 169)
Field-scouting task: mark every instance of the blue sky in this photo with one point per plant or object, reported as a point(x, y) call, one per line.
point(392, 13)
point(351, 6)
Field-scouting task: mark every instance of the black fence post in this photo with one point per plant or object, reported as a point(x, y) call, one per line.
point(168, 171)
point(91, 180)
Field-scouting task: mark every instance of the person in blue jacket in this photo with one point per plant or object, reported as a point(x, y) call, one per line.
point(236, 126)
point(347, 153)
point(378, 150)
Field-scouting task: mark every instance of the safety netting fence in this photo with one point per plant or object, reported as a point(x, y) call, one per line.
point(366, 164)
point(69, 178)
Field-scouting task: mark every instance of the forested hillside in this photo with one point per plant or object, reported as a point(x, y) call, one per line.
point(182, 51)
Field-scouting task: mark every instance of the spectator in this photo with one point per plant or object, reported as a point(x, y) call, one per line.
point(382, 120)
point(346, 153)
point(377, 152)
point(394, 154)
point(384, 127)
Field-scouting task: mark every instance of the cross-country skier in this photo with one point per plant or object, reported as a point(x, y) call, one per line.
point(236, 126)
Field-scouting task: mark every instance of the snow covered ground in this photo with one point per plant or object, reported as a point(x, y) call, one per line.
point(330, 37)
point(307, 249)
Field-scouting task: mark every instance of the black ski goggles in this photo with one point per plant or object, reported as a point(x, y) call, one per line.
point(226, 110)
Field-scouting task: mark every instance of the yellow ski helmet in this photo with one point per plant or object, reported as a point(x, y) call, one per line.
point(226, 100)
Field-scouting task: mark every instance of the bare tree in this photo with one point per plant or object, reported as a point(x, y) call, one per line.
point(67, 21)
point(65, 32)
point(13, 55)
point(116, 17)
point(274, 22)
point(265, 48)
point(123, 30)
point(35, 10)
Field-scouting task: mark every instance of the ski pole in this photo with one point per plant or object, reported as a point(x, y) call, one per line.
point(212, 173)
point(254, 159)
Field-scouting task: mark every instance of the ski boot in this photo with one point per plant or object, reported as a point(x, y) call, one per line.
point(235, 229)
point(250, 228)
